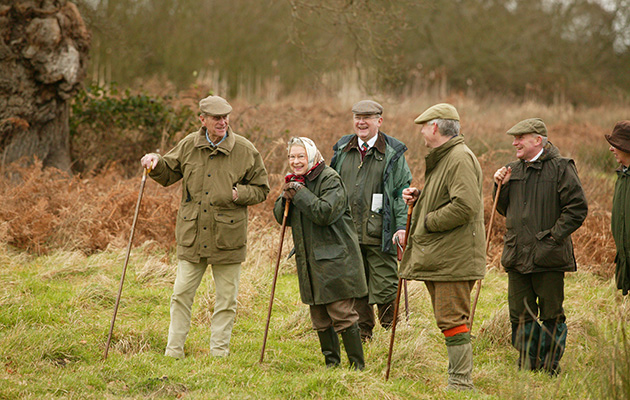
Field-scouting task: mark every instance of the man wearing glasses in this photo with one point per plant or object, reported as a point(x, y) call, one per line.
point(373, 168)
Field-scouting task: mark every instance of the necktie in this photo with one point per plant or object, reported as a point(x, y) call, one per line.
point(363, 149)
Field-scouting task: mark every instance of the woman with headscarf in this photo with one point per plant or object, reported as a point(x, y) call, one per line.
point(328, 258)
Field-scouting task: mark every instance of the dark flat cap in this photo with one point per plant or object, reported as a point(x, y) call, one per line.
point(215, 106)
point(367, 107)
point(531, 125)
point(438, 111)
point(620, 137)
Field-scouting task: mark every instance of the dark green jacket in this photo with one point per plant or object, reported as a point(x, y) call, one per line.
point(327, 254)
point(446, 242)
point(396, 177)
point(620, 224)
point(543, 204)
point(209, 223)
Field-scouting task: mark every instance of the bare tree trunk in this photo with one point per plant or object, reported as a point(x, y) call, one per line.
point(43, 55)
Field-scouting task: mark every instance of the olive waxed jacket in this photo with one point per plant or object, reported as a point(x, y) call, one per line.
point(620, 224)
point(447, 234)
point(328, 258)
point(209, 223)
point(543, 204)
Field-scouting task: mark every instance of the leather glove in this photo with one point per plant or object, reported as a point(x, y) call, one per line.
point(290, 189)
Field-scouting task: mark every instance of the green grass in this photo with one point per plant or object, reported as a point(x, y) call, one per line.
point(56, 311)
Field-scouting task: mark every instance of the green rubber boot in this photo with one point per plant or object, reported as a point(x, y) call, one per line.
point(354, 347)
point(329, 342)
point(460, 365)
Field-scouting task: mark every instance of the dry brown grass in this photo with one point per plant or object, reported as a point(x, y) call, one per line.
point(46, 210)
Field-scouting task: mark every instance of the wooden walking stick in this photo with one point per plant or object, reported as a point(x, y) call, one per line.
point(122, 278)
point(494, 207)
point(401, 282)
point(399, 253)
point(275, 277)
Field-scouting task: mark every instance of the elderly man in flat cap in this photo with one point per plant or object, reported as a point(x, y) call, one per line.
point(543, 202)
point(373, 168)
point(222, 174)
point(446, 244)
point(620, 221)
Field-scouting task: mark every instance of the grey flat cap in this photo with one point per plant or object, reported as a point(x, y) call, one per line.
point(367, 107)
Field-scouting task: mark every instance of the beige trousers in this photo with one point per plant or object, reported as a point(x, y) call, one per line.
point(188, 278)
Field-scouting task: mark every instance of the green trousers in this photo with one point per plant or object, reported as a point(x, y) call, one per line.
point(188, 278)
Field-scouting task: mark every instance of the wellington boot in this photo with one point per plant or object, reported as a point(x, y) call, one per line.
point(526, 337)
point(554, 340)
point(329, 342)
point(460, 365)
point(354, 347)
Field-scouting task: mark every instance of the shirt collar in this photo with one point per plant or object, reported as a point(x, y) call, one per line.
point(215, 145)
point(370, 142)
point(537, 156)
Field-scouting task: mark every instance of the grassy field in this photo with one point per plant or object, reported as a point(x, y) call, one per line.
point(56, 311)
point(61, 260)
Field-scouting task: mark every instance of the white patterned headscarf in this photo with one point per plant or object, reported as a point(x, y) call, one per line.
point(314, 156)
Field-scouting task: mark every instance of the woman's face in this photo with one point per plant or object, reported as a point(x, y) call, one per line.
point(298, 160)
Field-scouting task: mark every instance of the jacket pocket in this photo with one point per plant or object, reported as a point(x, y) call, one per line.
point(551, 253)
point(230, 229)
point(428, 251)
point(508, 258)
point(186, 230)
point(330, 252)
point(375, 225)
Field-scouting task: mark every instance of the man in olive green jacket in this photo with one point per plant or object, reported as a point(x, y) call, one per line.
point(222, 174)
point(373, 168)
point(446, 243)
point(543, 203)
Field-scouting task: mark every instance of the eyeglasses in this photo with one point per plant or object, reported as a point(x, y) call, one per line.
point(300, 157)
point(365, 117)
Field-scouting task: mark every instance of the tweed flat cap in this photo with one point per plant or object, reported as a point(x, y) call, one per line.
point(367, 107)
point(215, 106)
point(531, 125)
point(438, 111)
point(620, 137)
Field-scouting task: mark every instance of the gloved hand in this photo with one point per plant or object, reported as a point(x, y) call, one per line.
point(290, 189)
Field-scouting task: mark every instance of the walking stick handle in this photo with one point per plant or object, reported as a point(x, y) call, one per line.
point(275, 278)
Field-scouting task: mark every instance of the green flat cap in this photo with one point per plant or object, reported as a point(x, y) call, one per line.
point(531, 125)
point(367, 107)
point(215, 106)
point(438, 111)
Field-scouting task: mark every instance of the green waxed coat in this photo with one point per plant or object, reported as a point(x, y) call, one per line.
point(620, 223)
point(447, 235)
point(543, 204)
point(327, 253)
point(209, 223)
point(396, 177)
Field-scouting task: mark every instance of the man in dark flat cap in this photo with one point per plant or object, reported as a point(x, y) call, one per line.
point(222, 174)
point(620, 220)
point(543, 203)
point(446, 241)
point(373, 168)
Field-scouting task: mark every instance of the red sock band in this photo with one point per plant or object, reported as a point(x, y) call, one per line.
point(454, 331)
